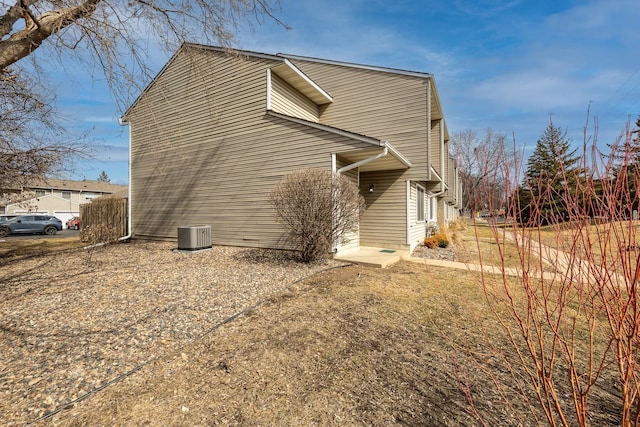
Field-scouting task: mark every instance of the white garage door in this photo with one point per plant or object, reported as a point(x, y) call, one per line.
point(65, 216)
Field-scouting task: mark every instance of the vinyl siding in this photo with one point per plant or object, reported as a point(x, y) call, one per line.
point(436, 147)
point(445, 172)
point(205, 152)
point(451, 180)
point(417, 230)
point(387, 106)
point(287, 100)
point(384, 221)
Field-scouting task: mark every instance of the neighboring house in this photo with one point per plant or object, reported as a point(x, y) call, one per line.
point(217, 129)
point(61, 198)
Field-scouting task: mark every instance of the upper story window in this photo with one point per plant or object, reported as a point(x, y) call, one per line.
point(66, 194)
point(40, 193)
point(89, 196)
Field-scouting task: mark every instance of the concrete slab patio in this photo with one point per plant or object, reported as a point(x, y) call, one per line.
point(382, 258)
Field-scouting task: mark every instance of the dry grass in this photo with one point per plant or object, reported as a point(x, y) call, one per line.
point(604, 242)
point(21, 248)
point(354, 346)
point(351, 346)
point(487, 245)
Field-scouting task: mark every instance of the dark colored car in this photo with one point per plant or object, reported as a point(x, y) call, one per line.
point(30, 224)
point(74, 223)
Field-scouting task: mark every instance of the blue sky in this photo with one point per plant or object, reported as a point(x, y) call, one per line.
point(505, 65)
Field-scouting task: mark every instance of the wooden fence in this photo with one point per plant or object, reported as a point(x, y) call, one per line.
point(108, 213)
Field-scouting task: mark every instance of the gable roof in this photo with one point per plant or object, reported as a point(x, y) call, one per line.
point(418, 74)
point(289, 72)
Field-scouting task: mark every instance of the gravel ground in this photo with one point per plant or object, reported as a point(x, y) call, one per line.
point(71, 323)
point(444, 254)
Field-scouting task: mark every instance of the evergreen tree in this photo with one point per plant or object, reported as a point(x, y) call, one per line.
point(626, 169)
point(104, 177)
point(552, 170)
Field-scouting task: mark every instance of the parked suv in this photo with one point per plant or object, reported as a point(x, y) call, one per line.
point(30, 224)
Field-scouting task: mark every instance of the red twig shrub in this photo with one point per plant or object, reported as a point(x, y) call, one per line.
point(572, 320)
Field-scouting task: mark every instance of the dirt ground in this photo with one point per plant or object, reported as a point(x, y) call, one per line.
point(348, 346)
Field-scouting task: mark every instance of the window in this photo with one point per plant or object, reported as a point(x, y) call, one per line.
point(419, 203)
point(40, 193)
point(66, 194)
point(88, 196)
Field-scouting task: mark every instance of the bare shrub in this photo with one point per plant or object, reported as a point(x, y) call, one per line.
point(108, 212)
point(455, 230)
point(99, 233)
point(572, 320)
point(98, 236)
point(319, 209)
point(103, 223)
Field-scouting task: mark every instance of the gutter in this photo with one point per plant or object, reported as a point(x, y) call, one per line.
point(443, 186)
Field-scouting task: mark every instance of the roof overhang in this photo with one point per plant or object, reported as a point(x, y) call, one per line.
point(296, 78)
point(385, 157)
point(380, 156)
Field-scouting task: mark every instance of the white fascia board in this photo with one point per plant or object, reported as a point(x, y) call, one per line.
point(395, 153)
point(360, 66)
point(310, 82)
point(384, 152)
point(268, 89)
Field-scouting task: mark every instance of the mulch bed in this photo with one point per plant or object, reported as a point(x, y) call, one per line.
point(71, 323)
point(444, 254)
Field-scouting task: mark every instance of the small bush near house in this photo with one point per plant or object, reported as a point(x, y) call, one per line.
point(318, 209)
point(440, 240)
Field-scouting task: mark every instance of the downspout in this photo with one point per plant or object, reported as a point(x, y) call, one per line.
point(409, 213)
point(129, 214)
point(334, 162)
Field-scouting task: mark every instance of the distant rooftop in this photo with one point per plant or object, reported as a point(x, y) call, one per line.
point(84, 185)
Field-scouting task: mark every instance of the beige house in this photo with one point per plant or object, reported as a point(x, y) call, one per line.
point(61, 198)
point(216, 130)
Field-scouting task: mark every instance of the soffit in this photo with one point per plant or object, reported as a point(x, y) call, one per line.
point(296, 78)
point(391, 161)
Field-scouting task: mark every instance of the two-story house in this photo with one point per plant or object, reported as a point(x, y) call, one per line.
point(217, 129)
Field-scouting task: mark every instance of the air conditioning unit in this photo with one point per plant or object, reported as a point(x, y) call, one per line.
point(194, 237)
